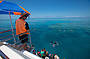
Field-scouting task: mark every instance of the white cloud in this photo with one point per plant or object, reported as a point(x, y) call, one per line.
point(74, 16)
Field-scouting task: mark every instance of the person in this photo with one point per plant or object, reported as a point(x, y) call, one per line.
point(44, 51)
point(47, 54)
point(46, 57)
point(52, 56)
point(56, 56)
point(38, 53)
point(34, 52)
point(54, 43)
point(22, 29)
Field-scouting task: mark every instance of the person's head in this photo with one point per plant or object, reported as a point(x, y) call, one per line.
point(24, 16)
point(47, 53)
point(33, 50)
point(54, 54)
point(44, 49)
point(38, 52)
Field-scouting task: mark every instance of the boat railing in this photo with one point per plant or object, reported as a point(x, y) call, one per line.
point(3, 39)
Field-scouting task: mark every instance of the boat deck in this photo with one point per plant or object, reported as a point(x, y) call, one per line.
point(12, 53)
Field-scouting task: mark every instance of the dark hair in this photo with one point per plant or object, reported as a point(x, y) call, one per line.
point(26, 15)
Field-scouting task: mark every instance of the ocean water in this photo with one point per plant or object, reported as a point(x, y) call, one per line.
point(72, 35)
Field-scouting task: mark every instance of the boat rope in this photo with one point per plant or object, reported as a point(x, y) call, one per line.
point(6, 31)
point(6, 39)
point(6, 36)
point(30, 39)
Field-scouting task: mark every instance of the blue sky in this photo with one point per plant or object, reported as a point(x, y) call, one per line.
point(56, 8)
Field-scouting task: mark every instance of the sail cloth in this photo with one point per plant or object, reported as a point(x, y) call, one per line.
point(12, 8)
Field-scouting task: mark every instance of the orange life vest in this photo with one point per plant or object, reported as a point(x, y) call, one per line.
point(20, 27)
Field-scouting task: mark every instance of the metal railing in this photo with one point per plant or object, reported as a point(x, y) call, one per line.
point(16, 36)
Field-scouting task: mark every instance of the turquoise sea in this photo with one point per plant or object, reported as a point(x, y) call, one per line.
point(72, 34)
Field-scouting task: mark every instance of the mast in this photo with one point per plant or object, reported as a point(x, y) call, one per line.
point(12, 28)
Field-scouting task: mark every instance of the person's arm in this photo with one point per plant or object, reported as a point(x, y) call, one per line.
point(26, 26)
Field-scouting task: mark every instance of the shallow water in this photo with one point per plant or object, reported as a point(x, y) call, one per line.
point(72, 34)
